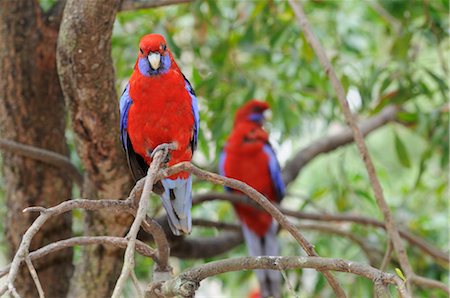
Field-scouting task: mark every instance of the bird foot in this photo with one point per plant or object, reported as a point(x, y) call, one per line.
point(167, 147)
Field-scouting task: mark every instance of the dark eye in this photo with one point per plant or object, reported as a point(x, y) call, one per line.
point(163, 47)
point(142, 51)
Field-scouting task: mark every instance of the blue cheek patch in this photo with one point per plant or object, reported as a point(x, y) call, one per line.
point(256, 117)
point(147, 71)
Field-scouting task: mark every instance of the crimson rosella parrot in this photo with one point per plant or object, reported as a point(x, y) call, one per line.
point(249, 157)
point(159, 107)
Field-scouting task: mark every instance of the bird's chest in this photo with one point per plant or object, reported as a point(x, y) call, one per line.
point(252, 169)
point(161, 113)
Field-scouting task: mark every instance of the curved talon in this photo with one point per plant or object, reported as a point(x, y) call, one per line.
point(166, 147)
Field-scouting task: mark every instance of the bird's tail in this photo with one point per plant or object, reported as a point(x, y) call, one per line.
point(269, 280)
point(177, 200)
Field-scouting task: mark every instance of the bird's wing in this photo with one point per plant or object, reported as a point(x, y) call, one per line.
point(195, 112)
point(135, 162)
point(222, 160)
point(275, 172)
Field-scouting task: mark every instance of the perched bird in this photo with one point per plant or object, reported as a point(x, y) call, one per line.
point(249, 157)
point(159, 107)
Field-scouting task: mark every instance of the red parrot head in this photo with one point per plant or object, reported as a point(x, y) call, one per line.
point(252, 111)
point(154, 56)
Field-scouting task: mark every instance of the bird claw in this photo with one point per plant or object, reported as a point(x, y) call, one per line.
point(167, 147)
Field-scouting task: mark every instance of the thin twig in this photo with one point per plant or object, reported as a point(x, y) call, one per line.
point(359, 139)
point(263, 202)
point(128, 263)
point(52, 158)
point(35, 277)
point(137, 287)
point(387, 257)
point(429, 283)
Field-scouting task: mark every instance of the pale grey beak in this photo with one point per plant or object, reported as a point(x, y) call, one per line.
point(155, 60)
point(267, 115)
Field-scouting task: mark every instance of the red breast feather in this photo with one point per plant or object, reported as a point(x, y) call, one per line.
point(246, 161)
point(161, 113)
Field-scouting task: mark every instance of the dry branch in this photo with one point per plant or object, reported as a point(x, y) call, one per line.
point(120, 242)
point(142, 4)
point(34, 276)
point(140, 217)
point(263, 202)
point(303, 227)
point(391, 225)
point(188, 281)
point(334, 141)
point(424, 246)
point(49, 157)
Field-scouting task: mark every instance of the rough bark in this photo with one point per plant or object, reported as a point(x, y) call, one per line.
point(32, 112)
point(86, 72)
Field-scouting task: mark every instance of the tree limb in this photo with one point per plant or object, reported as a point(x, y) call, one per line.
point(142, 4)
point(188, 281)
point(332, 142)
point(313, 227)
point(120, 242)
point(49, 157)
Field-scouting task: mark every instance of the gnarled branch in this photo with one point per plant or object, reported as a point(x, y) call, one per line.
point(188, 281)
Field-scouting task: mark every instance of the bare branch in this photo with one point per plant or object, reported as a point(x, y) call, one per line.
point(188, 281)
point(52, 158)
point(429, 283)
point(140, 217)
point(265, 203)
point(141, 4)
point(313, 227)
point(391, 225)
point(427, 248)
point(120, 242)
point(23, 249)
point(135, 280)
point(35, 277)
point(334, 141)
point(387, 257)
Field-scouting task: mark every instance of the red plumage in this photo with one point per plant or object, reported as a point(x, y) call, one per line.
point(161, 110)
point(157, 108)
point(247, 162)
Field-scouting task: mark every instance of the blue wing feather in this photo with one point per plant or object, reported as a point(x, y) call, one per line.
point(135, 162)
point(125, 104)
point(275, 172)
point(195, 111)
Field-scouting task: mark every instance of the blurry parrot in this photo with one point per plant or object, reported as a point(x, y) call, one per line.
point(159, 107)
point(249, 157)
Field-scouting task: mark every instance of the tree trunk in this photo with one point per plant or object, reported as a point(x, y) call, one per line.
point(86, 72)
point(32, 112)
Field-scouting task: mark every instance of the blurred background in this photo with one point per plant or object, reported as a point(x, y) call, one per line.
point(385, 53)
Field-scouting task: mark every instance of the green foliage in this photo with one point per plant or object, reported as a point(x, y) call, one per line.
point(391, 52)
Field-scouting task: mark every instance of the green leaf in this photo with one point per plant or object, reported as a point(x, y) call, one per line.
point(400, 274)
point(402, 153)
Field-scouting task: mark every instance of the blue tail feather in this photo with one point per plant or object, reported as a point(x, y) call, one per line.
point(177, 200)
